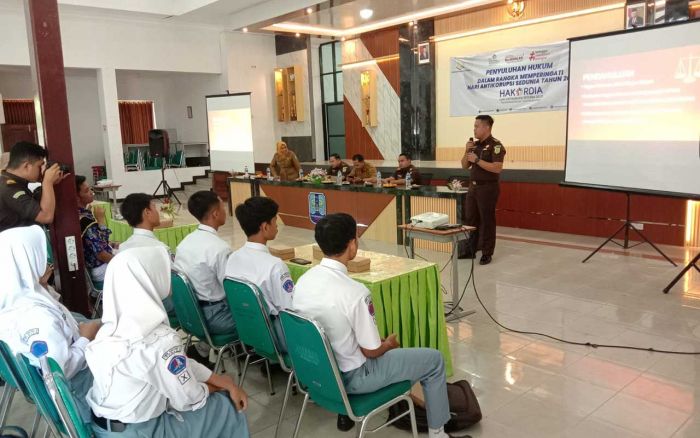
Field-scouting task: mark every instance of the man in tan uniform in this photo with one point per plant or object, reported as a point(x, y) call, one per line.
point(362, 171)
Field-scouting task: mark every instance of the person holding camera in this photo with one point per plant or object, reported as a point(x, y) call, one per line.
point(484, 159)
point(19, 207)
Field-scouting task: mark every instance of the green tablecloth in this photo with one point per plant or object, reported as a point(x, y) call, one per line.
point(406, 295)
point(121, 231)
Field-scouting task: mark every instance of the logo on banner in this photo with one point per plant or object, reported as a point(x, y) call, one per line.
point(317, 206)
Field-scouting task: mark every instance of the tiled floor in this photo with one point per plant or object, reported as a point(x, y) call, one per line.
point(530, 386)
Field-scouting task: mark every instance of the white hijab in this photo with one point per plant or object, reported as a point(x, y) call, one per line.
point(136, 282)
point(23, 257)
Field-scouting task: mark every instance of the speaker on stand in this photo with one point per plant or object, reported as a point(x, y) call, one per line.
point(159, 147)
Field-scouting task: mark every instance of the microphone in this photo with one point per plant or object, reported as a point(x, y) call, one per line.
point(471, 140)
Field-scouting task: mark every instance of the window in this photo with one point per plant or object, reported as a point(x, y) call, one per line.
point(330, 57)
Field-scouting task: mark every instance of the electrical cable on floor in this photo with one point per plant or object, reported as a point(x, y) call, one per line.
point(472, 278)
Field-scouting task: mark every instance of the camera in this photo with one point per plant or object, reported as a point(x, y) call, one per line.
point(64, 167)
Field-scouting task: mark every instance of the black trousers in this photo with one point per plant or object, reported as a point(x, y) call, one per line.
point(480, 212)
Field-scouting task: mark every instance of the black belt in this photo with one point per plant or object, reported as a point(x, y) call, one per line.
point(108, 425)
point(203, 303)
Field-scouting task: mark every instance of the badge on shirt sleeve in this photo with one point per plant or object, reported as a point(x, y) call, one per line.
point(39, 348)
point(28, 334)
point(183, 378)
point(497, 149)
point(19, 194)
point(177, 364)
point(288, 286)
point(370, 305)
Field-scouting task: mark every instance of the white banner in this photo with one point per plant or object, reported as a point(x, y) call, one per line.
point(523, 79)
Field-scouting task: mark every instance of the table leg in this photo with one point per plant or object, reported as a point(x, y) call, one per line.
point(411, 249)
point(455, 312)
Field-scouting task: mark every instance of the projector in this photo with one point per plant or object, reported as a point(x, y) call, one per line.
point(429, 220)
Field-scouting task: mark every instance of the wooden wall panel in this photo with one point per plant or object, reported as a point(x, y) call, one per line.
point(385, 42)
point(357, 139)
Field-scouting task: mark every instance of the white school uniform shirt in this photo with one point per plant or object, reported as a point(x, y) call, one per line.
point(254, 263)
point(202, 256)
point(139, 366)
point(142, 239)
point(343, 307)
point(32, 322)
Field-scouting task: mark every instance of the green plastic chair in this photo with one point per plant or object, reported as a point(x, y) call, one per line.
point(94, 290)
point(316, 369)
point(13, 382)
point(255, 330)
point(63, 400)
point(192, 321)
point(40, 396)
point(176, 159)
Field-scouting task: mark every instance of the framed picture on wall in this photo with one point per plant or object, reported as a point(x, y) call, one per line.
point(635, 15)
point(424, 53)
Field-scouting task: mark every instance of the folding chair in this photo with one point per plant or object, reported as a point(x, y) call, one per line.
point(59, 390)
point(255, 330)
point(95, 291)
point(13, 382)
point(192, 320)
point(317, 372)
point(40, 396)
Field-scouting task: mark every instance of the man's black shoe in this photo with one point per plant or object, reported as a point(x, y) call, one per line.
point(467, 255)
point(344, 423)
point(485, 260)
point(193, 353)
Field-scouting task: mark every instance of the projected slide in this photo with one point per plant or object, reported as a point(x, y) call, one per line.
point(634, 110)
point(229, 122)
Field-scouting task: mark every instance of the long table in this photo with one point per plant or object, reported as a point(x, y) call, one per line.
point(378, 210)
point(406, 296)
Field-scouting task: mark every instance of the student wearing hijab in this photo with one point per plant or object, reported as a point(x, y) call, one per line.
point(145, 386)
point(32, 322)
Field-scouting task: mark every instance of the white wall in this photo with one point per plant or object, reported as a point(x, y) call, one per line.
point(171, 93)
point(83, 111)
point(250, 62)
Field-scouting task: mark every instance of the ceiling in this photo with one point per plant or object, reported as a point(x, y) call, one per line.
point(340, 18)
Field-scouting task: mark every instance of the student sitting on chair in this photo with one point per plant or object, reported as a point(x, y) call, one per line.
point(346, 313)
point(254, 263)
point(145, 386)
point(93, 228)
point(32, 322)
point(140, 212)
point(202, 256)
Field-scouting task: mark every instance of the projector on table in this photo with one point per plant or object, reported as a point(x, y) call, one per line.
point(429, 220)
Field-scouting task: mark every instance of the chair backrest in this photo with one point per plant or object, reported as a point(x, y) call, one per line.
point(252, 317)
point(313, 362)
point(39, 394)
point(187, 307)
point(60, 392)
point(426, 178)
point(9, 371)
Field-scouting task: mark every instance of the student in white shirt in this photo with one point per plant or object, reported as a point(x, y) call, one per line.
point(254, 263)
point(346, 313)
point(202, 256)
point(32, 322)
point(141, 213)
point(145, 385)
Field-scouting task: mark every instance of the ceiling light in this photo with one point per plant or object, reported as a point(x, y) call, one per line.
point(366, 14)
point(516, 8)
point(410, 23)
point(297, 34)
point(342, 38)
point(245, 29)
point(309, 10)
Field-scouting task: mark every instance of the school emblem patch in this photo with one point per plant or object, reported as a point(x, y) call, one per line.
point(370, 305)
point(39, 348)
point(288, 286)
point(177, 364)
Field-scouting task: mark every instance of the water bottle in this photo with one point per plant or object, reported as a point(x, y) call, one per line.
point(301, 173)
point(379, 179)
point(339, 178)
point(246, 175)
point(269, 174)
point(408, 180)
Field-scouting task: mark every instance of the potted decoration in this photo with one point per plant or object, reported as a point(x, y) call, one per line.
point(316, 176)
point(169, 211)
point(455, 185)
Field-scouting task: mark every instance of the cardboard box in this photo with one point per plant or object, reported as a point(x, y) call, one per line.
point(359, 264)
point(283, 252)
point(318, 254)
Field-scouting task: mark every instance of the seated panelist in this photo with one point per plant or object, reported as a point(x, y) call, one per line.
point(405, 166)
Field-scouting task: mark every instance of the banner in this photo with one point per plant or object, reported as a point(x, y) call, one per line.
point(523, 79)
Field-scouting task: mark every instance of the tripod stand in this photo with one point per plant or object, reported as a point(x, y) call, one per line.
point(627, 226)
point(167, 190)
point(693, 264)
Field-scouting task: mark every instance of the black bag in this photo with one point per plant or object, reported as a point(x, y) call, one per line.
point(464, 410)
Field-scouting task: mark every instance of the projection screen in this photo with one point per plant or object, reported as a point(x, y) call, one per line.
point(229, 123)
point(634, 111)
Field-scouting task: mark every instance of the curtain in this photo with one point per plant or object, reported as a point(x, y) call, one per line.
point(136, 119)
point(19, 111)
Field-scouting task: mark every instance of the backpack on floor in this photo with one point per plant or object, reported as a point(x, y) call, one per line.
point(464, 410)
